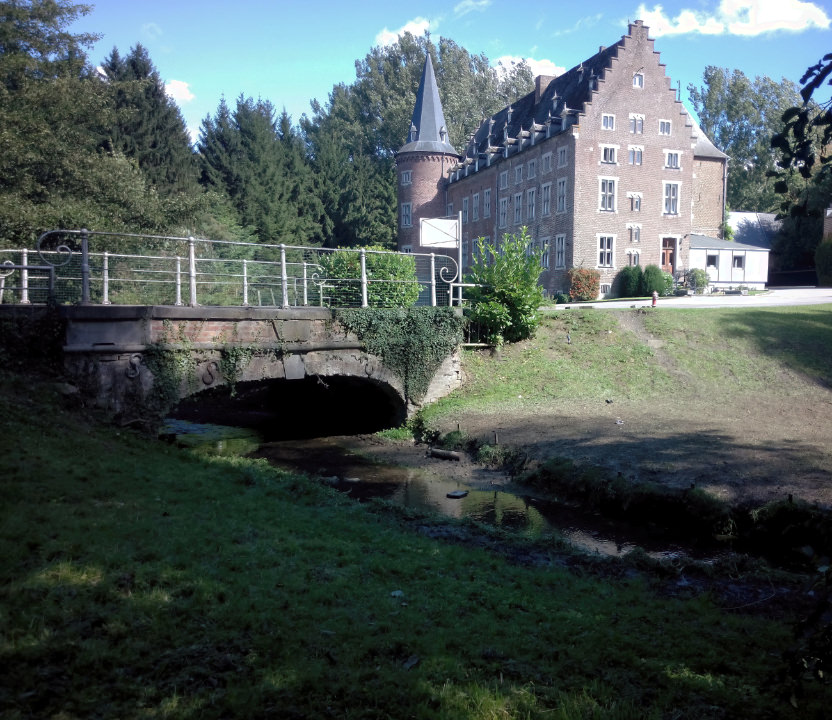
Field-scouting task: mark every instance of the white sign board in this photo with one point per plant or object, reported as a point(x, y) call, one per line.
point(439, 232)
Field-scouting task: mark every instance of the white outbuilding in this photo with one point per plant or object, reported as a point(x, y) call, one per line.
point(730, 265)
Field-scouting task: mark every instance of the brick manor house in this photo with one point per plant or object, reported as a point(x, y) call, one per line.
point(602, 164)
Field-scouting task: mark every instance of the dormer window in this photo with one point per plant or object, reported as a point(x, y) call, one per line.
point(443, 133)
point(414, 133)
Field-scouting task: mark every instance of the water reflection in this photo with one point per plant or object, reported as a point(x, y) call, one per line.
point(421, 489)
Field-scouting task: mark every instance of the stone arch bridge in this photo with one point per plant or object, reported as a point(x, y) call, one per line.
point(112, 353)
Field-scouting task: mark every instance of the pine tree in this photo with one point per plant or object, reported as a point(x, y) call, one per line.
point(149, 127)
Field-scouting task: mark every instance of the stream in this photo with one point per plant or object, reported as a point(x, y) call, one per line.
point(485, 496)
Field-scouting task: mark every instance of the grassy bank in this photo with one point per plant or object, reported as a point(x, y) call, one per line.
point(694, 355)
point(139, 581)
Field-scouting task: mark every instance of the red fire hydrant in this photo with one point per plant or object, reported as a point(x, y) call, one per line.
point(655, 297)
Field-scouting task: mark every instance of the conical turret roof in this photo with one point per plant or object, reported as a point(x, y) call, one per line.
point(428, 131)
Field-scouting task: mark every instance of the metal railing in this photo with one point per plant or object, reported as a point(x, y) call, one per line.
point(88, 267)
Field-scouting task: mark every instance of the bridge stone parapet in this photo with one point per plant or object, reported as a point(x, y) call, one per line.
point(137, 361)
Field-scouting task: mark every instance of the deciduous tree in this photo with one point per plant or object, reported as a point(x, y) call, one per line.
point(741, 116)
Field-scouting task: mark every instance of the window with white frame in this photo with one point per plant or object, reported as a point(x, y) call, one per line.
point(608, 154)
point(407, 177)
point(504, 180)
point(635, 201)
point(475, 207)
point(671, 198)
point(503, 216)
point(486, 203)
point(544, 253)
point(464, 210)
point(531, 170)
point(606, 194)
point(518, 208)
point(638, 80)
point(633, 257)
point(635, 154)
point(518, 174)
point(739, 262)
point(531, 199)
point(562, 157)
point(547, 163)
point(406, 218)
point(711, 261)
point(637, 124)
point(605, 250)
point(561, 195)
point(671, 159)
point(635, 233)
point(407, 248)
point(545, 199)
point(664, 127)
point(608, 122)
point(560, 251)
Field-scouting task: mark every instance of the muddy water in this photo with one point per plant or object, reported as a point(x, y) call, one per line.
point(490, 498)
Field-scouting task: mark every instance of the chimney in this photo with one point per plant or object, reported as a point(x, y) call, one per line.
point(541, 82)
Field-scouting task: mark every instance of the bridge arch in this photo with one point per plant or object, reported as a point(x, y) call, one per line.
point(136, 361)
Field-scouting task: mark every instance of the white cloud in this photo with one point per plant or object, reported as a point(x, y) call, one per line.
point(179, 90)
point(583, 23)
point(151, 31)
point(416, 27)
point(466, 6)
point(737, 17)
point(539, 67)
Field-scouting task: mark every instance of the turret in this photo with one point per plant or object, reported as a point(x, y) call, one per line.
point(422, 162)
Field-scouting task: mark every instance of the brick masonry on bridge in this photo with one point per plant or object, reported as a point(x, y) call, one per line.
point(106, 348)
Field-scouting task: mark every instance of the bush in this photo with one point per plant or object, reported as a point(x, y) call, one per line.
point(697, 279)
point(391, 278)
point(507, 277)
point(628, 282)
point(654, 280)
point(561, 299)
point(823, 261)
point(584, 284)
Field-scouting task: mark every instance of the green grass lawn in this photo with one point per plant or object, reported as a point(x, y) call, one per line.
point(721, 353)
point(141, 581)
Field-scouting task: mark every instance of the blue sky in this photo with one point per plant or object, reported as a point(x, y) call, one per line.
point(290, 52)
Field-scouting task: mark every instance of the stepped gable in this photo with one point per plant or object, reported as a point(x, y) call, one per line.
point(565, 95)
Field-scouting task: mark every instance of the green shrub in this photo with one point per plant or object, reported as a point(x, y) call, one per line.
point(823, 261)
point(492, 317)
point(697, 279)
point(391, 278)
point(654, 280)
point(562, 299)
point(584, 284)
point(629, 280)
point(508, 276)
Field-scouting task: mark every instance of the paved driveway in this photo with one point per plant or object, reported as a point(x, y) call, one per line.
point(774, 296)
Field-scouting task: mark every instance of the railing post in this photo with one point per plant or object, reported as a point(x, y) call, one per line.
point(85, 267)
point(305, 287)
point(432, 280)
point(245, 282)
point(284, 278)
point(192, 271)
point(364, 302)
point(24, 278)
point(178, 281)
point(105, 279)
